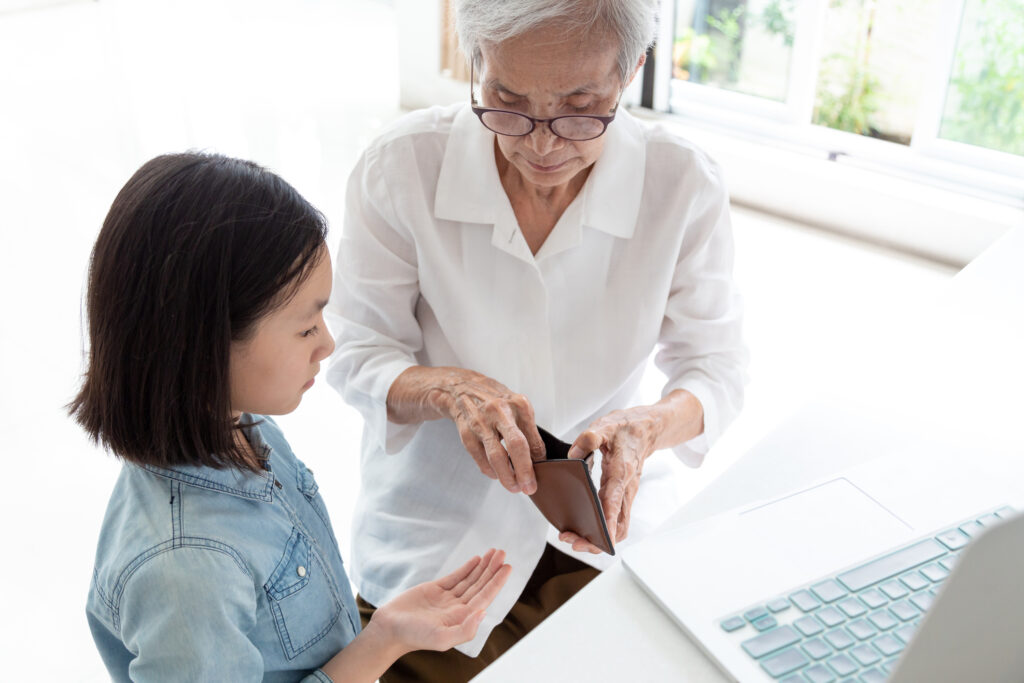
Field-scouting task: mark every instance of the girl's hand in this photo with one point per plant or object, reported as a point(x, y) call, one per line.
point(440, 614)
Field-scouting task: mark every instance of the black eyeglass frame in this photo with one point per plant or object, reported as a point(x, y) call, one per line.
point(480, 111)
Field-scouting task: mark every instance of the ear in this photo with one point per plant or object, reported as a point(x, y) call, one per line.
point(639, 65)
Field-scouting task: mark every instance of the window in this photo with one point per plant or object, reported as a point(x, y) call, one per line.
point(985, 99)
point(908, 85)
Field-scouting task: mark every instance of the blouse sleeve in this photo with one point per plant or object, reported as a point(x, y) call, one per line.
point(372, 308)
point(702, 348)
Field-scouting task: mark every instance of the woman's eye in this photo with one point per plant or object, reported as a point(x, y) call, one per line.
point(311, 331)
point(580, 107)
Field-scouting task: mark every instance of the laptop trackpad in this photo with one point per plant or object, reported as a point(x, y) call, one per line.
point(816, 531)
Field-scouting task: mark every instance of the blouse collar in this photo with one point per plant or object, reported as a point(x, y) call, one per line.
point(469, 190)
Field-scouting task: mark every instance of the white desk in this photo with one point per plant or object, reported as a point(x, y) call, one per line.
point(959, 370)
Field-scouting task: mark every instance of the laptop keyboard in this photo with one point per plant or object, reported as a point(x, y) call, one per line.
point(853, 625)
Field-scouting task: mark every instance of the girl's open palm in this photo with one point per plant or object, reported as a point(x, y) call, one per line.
point(438, 615)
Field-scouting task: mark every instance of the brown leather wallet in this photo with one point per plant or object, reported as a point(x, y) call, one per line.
point(566, 495)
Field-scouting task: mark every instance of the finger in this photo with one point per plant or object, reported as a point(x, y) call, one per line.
point(578, 543)
point(613, 481)
point(611, 500)
point(476, 450)
point(450, 581)
point(462, 632)
point(470, 579)
point(497, 457)
point(528, 426)
point(519, 453)
point(626, 510)
point(490, 590)
point(586, 443)
point(495, 563)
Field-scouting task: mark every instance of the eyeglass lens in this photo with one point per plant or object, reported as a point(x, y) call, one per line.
point(571, 127)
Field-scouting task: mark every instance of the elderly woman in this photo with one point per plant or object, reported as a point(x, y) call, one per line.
point(514, 263)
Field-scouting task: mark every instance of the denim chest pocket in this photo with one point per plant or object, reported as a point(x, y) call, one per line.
point(302, 598)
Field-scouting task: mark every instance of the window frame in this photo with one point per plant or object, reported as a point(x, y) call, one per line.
point(981, 172)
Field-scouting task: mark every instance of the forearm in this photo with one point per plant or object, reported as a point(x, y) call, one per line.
point(365, 658)
point(679, 417)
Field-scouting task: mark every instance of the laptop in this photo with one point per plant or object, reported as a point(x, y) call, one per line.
point(904, 568)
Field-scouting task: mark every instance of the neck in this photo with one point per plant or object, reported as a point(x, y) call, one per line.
point(243, 444)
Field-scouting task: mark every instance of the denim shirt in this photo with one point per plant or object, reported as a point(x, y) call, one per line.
point(220, 575)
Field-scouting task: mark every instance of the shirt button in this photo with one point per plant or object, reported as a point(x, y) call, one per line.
point(301, 571)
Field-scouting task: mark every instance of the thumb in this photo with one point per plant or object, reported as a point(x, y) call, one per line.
point(585, 444)
point(467, 629)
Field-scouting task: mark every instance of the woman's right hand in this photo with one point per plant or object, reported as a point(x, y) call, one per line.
point(440, 614)
point(495, 424)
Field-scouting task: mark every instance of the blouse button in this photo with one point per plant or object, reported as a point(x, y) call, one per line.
point(301, 571)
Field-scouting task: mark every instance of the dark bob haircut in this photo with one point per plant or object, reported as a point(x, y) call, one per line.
point(195, 250)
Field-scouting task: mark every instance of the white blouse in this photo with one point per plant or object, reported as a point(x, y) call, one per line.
point(433, 270)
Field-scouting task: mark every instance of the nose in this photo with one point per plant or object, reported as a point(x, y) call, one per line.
point(324, 350)
point(542, 140)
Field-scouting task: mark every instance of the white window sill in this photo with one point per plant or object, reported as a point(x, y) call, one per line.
point(908, 214)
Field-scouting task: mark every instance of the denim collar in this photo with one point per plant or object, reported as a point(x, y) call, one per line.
point(233, 481)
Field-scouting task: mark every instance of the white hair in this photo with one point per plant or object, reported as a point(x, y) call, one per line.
point(634, 22)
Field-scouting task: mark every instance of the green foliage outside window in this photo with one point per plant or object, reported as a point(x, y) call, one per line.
point(847, 93)
point(985, 102)
point(714, 56)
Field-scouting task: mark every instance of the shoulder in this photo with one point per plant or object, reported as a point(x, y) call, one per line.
point(679, 177)
point(146, 521)
point(667, 149)
point(420, 128)
point(195, 576)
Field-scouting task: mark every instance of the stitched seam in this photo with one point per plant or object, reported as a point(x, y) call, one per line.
point(264, 495)
point(281, 572)
point(282, 626)
point(99, 590)
point(166, 546)
point(314, 546)
point(282, 630)
point(176, 515)
point(334, 619)
point(316, 551)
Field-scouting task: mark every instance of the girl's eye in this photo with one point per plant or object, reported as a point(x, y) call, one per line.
point(311, 331)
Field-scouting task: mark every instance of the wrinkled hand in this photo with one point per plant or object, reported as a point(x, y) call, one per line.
point(626, 438)
point(486, 413)
point(440, 614)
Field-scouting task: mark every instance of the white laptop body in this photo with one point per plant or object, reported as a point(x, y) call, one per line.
point(704, 572)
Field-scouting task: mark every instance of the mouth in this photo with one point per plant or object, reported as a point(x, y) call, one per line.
point(546, 169)
point(309, 384)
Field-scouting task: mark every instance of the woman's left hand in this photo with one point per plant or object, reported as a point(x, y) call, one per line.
point(626, 439)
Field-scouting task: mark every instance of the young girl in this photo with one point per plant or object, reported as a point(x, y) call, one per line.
point(217, 560)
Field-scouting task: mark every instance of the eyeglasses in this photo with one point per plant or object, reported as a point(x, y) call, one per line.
point(574, 127)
